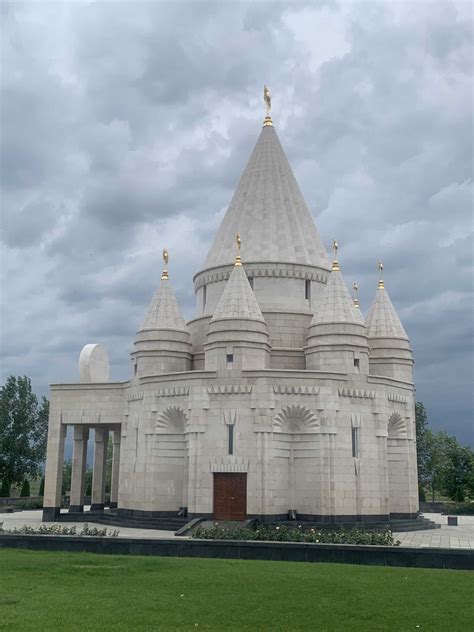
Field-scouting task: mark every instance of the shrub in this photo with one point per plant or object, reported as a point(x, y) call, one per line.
point(284, 533)
point(31, 503)
point(5, 488)
point(466, 509)
point(61, 529)
point(25, 489)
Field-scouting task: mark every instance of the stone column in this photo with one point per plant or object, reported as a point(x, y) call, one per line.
point(78, 474)
point(115, 469)
point(98, 474)
point(54, 466)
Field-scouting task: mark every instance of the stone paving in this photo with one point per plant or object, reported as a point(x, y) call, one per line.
point(460, 537)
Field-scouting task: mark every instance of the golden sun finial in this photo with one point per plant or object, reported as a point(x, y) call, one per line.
point(238, 240)
point(267, 97)
point(355, 298)
point(335, 248)
point(166, 257)
point(381, 284)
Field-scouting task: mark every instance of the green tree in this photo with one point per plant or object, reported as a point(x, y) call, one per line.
point(422, 451)
point(23, 432)
point(67, 475)
point(25, 489)
point(456, 475)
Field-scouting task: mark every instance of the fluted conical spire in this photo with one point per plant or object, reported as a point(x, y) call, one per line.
point(163, 311)
point(238, 300)
point(382, 319)
point(337, 305)
point(270, 212)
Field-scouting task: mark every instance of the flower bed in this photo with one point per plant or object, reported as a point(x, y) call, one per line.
point(60, 529)
point(298, 534)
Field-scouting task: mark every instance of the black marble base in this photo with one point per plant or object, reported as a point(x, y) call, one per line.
point(76, 508)
point(97, 507)
point(50, 514)
point(113, 505)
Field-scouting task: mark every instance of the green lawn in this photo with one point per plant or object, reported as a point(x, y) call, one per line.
point(79, 591)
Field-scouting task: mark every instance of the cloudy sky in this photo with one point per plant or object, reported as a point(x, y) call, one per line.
point(125, 128)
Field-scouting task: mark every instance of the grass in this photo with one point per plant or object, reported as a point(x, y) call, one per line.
point(82, 591)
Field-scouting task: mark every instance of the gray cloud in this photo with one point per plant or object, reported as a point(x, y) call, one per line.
point(125, 127)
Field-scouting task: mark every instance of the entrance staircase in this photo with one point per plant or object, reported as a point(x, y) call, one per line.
point(110, 517)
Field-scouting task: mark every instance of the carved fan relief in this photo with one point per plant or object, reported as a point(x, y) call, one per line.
point(172, 418)
point(295, 418)
point(396, 426)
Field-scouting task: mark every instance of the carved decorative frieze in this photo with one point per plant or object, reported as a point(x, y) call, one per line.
point(229, 464)
point(357, 393)
point(134, 397)
point(178, 391)
point(229, 389)
point(399, 399)
point(71, 417)
point(289, 272)
point(287, 389)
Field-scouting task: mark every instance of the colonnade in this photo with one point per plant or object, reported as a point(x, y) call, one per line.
point(55, 464)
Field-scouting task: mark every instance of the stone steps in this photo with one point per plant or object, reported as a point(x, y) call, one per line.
point(165, 523)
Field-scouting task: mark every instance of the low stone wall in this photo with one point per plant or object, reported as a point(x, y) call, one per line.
point(277, 551)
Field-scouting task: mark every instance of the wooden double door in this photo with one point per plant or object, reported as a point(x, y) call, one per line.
point(230, 496)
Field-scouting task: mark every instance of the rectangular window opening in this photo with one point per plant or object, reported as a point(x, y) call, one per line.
point(307, 289)
point(250, 282)
point(204, 297)
point(229, 358)
point(356, 362)
point(230, 437)
point(355, 443)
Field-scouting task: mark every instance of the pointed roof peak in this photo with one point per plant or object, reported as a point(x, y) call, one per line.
point(164, 311)
point(337, 305)
point(382, 319)
point(269, 211)
point(238, 300)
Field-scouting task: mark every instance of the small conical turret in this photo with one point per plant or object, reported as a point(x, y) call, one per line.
point(337, 339)
point(390, 352)
point(162, 343)
point(238, 336)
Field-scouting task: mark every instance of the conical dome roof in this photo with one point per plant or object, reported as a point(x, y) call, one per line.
point(382, 319)
point(269, 211)
point(336, 304)
point(164, 311)
point(238, 300)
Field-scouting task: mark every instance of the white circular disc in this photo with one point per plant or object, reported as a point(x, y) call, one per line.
point(94, 364)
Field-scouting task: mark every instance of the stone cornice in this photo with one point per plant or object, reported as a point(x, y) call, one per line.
point(264, 269)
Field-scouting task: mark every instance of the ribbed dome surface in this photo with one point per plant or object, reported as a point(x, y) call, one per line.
point(238, 300)
point(269, 212)
point(164, 311)
point(382, 319)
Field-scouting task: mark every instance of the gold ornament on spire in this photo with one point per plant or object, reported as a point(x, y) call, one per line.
point(355, 299)
point(238, 240)
point(335, 263)
point(381, 285)
point(166, 257)
point(267, 97)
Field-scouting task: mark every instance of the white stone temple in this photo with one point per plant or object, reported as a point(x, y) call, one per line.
point(279, 400)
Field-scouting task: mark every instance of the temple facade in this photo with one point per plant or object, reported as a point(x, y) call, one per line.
point(278, 400)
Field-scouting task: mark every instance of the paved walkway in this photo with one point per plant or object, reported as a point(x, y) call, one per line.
point(460, 537)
